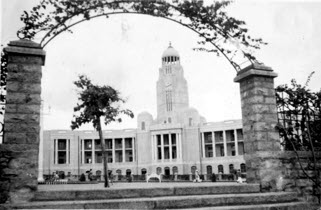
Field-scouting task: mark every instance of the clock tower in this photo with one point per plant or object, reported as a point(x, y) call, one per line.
point(172, 91)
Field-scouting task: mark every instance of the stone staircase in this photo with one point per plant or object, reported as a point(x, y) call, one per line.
point(238, 196)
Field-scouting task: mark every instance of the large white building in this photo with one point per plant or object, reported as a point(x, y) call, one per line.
point(178, 140)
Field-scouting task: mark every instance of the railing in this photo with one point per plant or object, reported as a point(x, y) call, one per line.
point(75, 179)
point(299, 120)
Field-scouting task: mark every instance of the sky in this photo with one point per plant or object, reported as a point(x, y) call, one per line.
point(124, 51)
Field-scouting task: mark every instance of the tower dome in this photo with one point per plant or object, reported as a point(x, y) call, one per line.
point(170, 55)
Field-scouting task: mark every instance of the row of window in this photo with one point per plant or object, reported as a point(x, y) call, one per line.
point(167, 146)
point(91, 150)
point(218, 136)
point(220, 152)
point(220, 168)
point(170, 59)
point(168, 69)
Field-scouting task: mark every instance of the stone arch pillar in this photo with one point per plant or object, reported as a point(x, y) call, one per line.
point(259, 116)
point(19, 151)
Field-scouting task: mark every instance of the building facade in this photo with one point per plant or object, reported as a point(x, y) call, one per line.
point(177, 141)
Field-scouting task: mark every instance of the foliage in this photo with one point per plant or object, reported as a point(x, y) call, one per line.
point(98, 102)
point(299, 115)
point(299, 112)
point(52, 17)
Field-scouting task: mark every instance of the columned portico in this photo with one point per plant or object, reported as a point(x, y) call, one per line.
point(174, 144)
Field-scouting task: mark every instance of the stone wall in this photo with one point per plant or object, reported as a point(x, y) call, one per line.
point(19, 151)
point(294, 178)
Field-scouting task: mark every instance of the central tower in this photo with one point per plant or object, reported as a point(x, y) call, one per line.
point(172, 91)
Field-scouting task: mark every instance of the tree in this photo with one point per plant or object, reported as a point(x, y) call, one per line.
point(98, 102)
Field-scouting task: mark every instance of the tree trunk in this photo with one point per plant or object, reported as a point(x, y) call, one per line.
point(102, 143)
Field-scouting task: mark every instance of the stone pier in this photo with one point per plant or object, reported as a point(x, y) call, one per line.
point(259, 115)
point(19, 151)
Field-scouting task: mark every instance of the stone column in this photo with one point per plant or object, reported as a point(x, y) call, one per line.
point(133, 149)
point(153, 147)
point(113, 151)
point(259, 113)
point(236, 143)
point(213, 143)
point(19, 151)
point(224, 143)
point(180, 146)
point(203, 145)
point(93, 151)
point(83, 151)
point(162, 147)
point(56, 151)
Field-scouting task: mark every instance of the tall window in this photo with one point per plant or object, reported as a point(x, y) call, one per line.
point(220, 169)
point(208, 144)
point(143, 125)
point(169, 102)
point(166, 146)
point(98, 153)
point(88, 151)
point(118, 150)
point(62, 151)
point(129, 149)
point(174, 146)
point(109, 148)
point(159, 147)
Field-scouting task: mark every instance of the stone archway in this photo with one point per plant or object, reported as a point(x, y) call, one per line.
point(19, 152)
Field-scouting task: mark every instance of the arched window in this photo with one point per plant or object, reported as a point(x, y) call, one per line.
point(158, 170)
point(193, 169)
point(144, 171)
point(175, 170)
point(167, 171)
point(243, 168)
point(118, 171)
point(220, 169)
point(128, 172)
point(231, 168)
point(209, 169)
